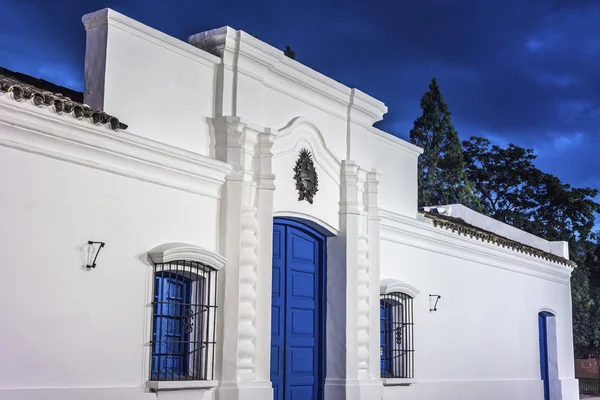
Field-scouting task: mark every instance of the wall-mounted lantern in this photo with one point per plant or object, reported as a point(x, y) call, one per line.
point(92, 263)
point(433, 301)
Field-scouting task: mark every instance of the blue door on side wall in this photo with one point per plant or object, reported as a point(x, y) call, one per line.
point(296, 312)
point(543, 329)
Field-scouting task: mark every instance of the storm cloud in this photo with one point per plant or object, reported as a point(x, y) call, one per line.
point(526, 72)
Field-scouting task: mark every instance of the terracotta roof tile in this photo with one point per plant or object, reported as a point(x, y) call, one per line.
point(46, 94)
point(459, 226)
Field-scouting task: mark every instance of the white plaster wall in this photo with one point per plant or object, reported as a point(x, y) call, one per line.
point(269, 105)
point(160, 86)
point(482, 342)
point(68, 332)
point(280, 109)
point(396, 161)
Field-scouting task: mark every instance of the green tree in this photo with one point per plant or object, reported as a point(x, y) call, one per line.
point(514, 191)
point(442, 177)
point(505, 179)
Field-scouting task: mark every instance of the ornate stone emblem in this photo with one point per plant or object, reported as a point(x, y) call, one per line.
point(305, 174)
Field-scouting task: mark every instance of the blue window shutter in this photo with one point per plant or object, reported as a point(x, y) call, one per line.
point(385, 325)
point(170, 350)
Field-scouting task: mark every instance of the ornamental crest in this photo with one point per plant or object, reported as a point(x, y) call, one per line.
point(305, 174)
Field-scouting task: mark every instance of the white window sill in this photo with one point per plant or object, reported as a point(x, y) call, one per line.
point(398, 381)
point(180, 385)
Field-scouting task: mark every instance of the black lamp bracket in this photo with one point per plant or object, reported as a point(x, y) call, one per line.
point(437, 298)
point(93, 265)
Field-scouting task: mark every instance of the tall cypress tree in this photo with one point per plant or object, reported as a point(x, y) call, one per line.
point(442, 177)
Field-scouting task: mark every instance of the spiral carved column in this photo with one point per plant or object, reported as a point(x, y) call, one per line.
point(363, 338)
point(247, 297)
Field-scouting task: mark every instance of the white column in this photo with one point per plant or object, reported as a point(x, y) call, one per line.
point(352, 372)
point(373, 233)
point(240, 369)
point(265, 193)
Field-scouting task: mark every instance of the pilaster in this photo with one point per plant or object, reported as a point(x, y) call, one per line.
point(373, 233)
point(265, 191)
point(356, 281)
point(245, 199)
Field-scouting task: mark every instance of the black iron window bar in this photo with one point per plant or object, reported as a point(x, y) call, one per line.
point(397, 339)
point(184, 315)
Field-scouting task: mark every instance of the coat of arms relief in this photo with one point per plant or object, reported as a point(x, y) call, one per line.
point(305, 174)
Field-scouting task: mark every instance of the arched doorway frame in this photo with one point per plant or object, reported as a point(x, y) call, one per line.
point(320, 234)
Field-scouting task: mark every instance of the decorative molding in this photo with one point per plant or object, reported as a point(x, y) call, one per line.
point(300, 129)
point(247, 293)
point(314, 222)
point(548, 310)
point(28, 128)
point(421, 234)
point(280, 73)
point(181, 385)
point(362, 307)
point(247, 147)
point(371, 111)
point(264, 160)
point(169, 252)
point(372, 190)
point(340, 112)
point(387, 286)
point(110, 17)
point(396, 142)
point(349, 201)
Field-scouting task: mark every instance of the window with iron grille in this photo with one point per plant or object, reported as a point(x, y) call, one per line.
point(397, 344)
point(183, 326)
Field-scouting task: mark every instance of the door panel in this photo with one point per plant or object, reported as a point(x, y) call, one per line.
point(277, 312)
point(295, 331)
point(171, 295)
point(544, 354)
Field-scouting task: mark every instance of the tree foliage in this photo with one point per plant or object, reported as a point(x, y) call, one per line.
point(442, 176)
point(515, 191)
point(504, 183)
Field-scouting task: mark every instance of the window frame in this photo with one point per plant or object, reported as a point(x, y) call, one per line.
point(198, 268)
point(403, 295)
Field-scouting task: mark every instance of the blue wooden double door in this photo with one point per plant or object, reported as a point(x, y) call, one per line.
point(297, 325)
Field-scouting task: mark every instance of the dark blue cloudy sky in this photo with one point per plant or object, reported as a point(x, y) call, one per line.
point(521, 71)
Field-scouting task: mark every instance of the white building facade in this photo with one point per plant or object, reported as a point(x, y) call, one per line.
point(253, 236)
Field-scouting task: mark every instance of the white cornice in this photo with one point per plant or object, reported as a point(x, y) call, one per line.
point(396, 142)
point(301, 129)
point(280, 71)
point(422, 234)
point(366, 105)
point(37, 130)
point(169, 252)
point(110, 17)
